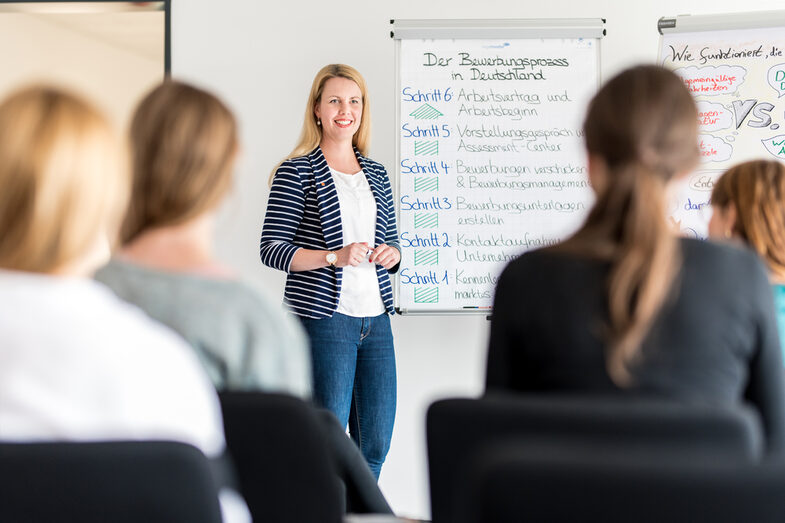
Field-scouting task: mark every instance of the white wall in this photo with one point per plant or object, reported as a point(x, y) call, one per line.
point(110, 57)
point(261, 57)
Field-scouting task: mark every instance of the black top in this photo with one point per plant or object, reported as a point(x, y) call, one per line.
point(714, 341)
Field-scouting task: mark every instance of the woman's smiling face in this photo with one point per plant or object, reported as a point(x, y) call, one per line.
point(340, 109)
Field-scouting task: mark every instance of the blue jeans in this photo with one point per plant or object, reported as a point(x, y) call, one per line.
point(354, 377)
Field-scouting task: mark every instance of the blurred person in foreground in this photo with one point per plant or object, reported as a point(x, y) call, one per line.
point(76, 363)
point(184, 144)
point(624, 305)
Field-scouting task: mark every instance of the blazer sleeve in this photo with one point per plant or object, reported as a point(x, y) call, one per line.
point(285, 209)
point(391, 235)
point(766, 388)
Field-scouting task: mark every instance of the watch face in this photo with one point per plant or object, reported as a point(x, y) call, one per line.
point(332, 258)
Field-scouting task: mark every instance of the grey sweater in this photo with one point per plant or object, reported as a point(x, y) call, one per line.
point(243, 340)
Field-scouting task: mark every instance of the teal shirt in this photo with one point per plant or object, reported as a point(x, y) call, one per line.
point(779, 309)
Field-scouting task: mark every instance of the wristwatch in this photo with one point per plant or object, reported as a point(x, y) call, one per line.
point(331, 258)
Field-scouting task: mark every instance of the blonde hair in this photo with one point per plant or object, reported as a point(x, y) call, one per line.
point(311, 135)
point(63, 176)
point(183, 142)
point(756, 189)
point(643, 125)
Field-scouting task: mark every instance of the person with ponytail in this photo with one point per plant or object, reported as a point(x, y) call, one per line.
point(624, 305)
point(748, 206)
point(330, 225)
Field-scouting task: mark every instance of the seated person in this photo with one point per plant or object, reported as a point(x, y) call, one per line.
point(748, 204)
point(184, 143)
point(624, 306)
point(76, 363)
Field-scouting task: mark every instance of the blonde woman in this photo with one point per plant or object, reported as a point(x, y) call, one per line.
point(330, 224)
point(748, 204)
point(76, 363)
point(626, 306)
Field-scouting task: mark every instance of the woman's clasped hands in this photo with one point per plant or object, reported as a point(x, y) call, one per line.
point(355, 253)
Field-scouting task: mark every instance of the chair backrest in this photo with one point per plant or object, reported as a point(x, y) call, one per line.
point(281, 458)
point(517, 482)
point(96, 482)
point(457, 428)
point(363, 495)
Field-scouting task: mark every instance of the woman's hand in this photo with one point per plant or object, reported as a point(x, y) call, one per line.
point(386, 256)
point(353, 254)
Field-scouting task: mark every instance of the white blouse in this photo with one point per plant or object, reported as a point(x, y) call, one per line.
point(360, 296)
point(78, 364)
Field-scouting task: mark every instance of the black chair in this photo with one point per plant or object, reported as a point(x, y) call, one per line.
point(281, 458)
point(517, 482)
point(362, 491)
point(458, 428)
point(121, 482)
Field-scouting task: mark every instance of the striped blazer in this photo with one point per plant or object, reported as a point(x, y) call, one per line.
point(303, 212)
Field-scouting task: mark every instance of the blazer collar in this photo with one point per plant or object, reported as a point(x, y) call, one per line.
point(317, 157)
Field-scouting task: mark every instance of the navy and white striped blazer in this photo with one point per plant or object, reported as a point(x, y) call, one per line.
point(303, 212)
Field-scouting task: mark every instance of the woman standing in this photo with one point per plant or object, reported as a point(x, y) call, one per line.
point(624, 306)
point(330, 224)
